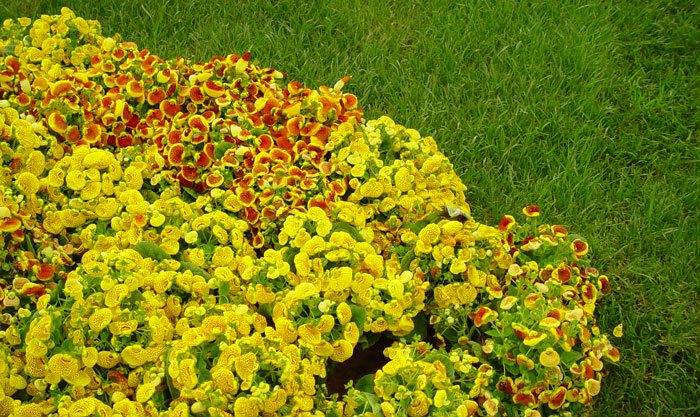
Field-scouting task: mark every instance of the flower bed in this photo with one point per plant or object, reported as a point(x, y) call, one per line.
point(208, 239)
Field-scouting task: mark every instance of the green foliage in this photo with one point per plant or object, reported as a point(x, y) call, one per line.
point(589, 110)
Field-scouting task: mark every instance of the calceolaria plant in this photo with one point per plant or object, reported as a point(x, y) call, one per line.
point(208, 239)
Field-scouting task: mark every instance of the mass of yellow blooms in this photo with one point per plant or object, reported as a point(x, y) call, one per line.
point(207, 239)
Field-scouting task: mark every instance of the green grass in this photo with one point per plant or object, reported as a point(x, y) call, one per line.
point(589, 110)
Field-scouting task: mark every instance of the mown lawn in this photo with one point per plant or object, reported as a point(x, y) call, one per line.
point(589, 110)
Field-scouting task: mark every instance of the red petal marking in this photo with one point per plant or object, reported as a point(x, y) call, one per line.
point(319, 202)
point(505, 223)
point(203, 160)
point(13, 63)
point(279, 155)
point(269, 213)
point(589, 293)
point(198, 123)
point(209, 150)
point(526, 399)
point(613, 354)
point(61, 87)
point(189, 172)
point(260, 169)
point(135, 89)
point(310, 129)
point(480, 315)
point(294, 125)
point(214, 90)
point(559, 231)
point(349, 101)
point(214, 180)
point(264, 142)
point(580, 247)
point(196, 94)
point(557, 398)
point(251, 215)
point(73, 134)
point(92, 133)
point(338, 188)
point(57, 122)
point(118, 53)
point(555, 314)
point(122, 80)
point(23, 99)
point(175, 154)
point(170, 108)
point(266, 195)
point(10, 225)
point(155, 96)
point(531, 210)
point(246, 197)
point(125, 140)
point(294, 88)
point(35, 290)
point(562, 274)
point(604, 284)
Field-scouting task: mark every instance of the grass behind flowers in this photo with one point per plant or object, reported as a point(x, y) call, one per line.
point(590, 111)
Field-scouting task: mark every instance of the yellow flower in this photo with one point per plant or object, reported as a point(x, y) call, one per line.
point(100, 319)
point(115, 295)
point(28, 410)
point(341, 278)
point(302, 264)
point(344, 313)
point(549, 358)
point(188, 374)
point(119, 328)
point(275, 401)
point(223, 256)
point(393, 309)
point(617, 331)
point(246, 365)
point(323, 227)
point(75, 180)
point(246, 407)
point(27, 183)
point(84, 407)
point(91, 190)
point(314, 245)
point(134, 355)
point(430, 234)
point(309, 333)
point(64, 366)
point(342, 350)
point(25, 134)
point(89, 356)
point(225, 380)
point(372, 189)
point(144, 392)
point(592, 386)
point(99, 159)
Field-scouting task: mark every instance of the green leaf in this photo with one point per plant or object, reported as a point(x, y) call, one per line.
point(188, 266)
point(365, 384)
point(151, 250)
point(349, 229)
point(221, 148)
point(358, 316)
point(419, 225)
point(369, 339)
point(568, 358)
point(407, 259)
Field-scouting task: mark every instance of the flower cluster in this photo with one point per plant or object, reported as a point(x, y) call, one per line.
point(182, 238)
